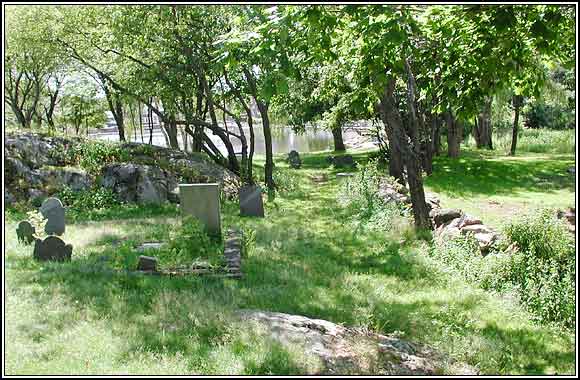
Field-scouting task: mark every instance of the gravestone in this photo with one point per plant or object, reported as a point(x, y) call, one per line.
point(153, 245)
point(345, 161)
point(147, 263)
point(251, 203)
point(202, 200)
point(294, 160)
point(53, 210)
point(25, 232)
point(52, 249)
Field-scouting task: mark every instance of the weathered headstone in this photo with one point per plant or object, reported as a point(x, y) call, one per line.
point(251, 203)
point(294, 160)
point(52, 249)
point(147, 263)
point(53, 210)
point(233, 252)
point(25, 232)
point(344, 161)
point(202, 200)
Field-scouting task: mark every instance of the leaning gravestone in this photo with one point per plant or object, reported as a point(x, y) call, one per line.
point(202, 200)
point(52, 249)
point(53, 210)
point(147, 263)
point(251, 203)
point(25, 232)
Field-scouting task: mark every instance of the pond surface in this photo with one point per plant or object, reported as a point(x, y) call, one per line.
point(284, 139)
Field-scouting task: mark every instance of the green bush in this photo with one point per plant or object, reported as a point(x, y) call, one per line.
point(90, 155)
point(541, 271)
point(96, 198)
point(540, 115)
point(546, 269)
point(286, 181)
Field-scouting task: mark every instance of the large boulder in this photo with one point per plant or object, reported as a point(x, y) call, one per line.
point(138, 183)
point(334, 349)
point(442, 216)
point(74, 178)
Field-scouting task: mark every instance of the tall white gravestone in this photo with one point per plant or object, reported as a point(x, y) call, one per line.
point(202, 200)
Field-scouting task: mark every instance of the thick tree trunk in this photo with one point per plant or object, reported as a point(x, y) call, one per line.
point(517, 101)
point(483, 128)
point(393, 127)
point(171, 131)
point(453, 135)
point(338, 141)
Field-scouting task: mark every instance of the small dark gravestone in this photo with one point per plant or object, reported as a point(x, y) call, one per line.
point(251, 203)
point(52, 249)
point(53, 210)
point(25, 232)
point(294, 160)
point(346, 161)
point(147, 263)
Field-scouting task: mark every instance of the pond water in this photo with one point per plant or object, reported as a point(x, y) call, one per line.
point(284, 139)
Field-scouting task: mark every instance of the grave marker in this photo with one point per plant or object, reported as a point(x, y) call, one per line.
point(251, 203)
point(52, 249)
point(53, 210)
point(25, 232)
point(202, 200)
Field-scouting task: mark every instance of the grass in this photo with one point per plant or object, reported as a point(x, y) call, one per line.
point(496, 188)
point(73, 318)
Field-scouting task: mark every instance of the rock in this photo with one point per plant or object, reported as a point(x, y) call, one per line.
point(154, 245)
point(294, 160)
point(344, 161)
point(432, 201)
point(74, 178)
point(251, 203)
point(52, 249)
point(173, 195)
point(25, 232)
point(441, 216)
point(36, 197)
point(468, 220)
point(53, 210)
point(147, 263)
point(137, 183)
point(485, 240)
point(475, 229)
point(389, 193)
point(333, 349)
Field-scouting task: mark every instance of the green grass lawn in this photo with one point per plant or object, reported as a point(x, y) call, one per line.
point(495, 187)
point(308, 259)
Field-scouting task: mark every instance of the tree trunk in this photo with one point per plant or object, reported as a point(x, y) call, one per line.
point(269, 167)
point(393, 125)
point(483, 128)
point(411, 154)
point(435, 135)
point(517, 101)
point(338, 141)
point(453, 138)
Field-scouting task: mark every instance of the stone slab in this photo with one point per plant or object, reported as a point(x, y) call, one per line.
point(53, 210)
point(251, 202)
point(202, 201)
point(52, 249)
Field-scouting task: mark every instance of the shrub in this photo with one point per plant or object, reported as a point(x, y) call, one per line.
point(286, 181)
point(96, 198)
point(546, 269)
point(90, 155)
point(541, 271)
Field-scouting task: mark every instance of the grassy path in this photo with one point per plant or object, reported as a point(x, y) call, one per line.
point(308, 259)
